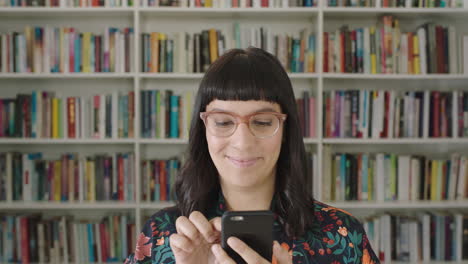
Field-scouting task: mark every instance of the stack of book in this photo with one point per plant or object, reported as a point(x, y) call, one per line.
point(72, 178)
point(47, 115)
point(384, 48)
point(395, 114)
point(231, 3)
point(158, 178)
point(37, 239)
point(389, 177)
point(67, 50)
point(165, 114)
point(66, 3)
point(425, 237)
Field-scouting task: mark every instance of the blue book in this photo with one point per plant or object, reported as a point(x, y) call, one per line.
point(125, 116)
point(308, 3)
point(77, 53)
point(91, 242)
point(56, 66)
point(174, 114)
point(343, 176)
point(34, 114)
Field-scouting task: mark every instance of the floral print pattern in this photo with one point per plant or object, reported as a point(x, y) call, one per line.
point(338, 238)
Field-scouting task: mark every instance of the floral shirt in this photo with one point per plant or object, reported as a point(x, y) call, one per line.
point(339, 238)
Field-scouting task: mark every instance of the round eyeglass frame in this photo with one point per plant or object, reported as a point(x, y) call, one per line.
point(244, 119)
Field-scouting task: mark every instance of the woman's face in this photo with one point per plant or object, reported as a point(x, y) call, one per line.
point(243, 160)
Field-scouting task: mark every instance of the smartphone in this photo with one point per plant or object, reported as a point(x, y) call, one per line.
point(255, 228)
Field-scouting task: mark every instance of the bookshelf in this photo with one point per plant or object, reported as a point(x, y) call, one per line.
point(318, 19)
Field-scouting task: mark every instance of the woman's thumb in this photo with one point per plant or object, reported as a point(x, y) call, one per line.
point(280, 254)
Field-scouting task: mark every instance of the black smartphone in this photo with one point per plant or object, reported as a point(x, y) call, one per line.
point(255, 228)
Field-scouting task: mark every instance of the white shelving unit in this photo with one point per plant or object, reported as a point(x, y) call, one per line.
point(170, 19)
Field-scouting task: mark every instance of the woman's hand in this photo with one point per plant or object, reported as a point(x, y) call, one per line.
point(249, 255)
point(194, 237)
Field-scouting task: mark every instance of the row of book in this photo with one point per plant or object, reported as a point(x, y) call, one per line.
point(165, 114)
point(384, 48)
point(66, 49)
point(183, 52)
point(231, 3)
point(72, 177)
point(390, 177)
point(158, 178)
point(421, 238)
point(38, 239)
point(46, 115)
point(395, 114)
point(66, 3)
point(397, 3)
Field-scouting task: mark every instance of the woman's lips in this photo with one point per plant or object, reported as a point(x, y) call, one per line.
point(243, 163)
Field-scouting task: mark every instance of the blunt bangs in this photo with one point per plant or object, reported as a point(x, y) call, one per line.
point(241, 75)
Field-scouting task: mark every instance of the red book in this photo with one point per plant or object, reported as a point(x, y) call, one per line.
point(353, 51)
point(443, 116)
point(312, 117)
point(163, 181)
point(325, 52)
point(440, 49)
point(97, 54)
point(24, 240)
point(436, 116)
point(72, 35)
point(384, 133)
point(264, 3)
point(71, 117)
point(235, 3)
point(104, 241)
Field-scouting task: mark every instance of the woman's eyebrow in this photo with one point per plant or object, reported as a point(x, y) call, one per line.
point(265, 109)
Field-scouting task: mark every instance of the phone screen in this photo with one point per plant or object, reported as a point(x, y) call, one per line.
point(255, 228)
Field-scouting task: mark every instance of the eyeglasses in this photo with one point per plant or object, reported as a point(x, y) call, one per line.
point(224, 124)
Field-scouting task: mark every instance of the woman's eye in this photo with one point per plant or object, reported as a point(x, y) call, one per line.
point(223, 123)
point(262, 123)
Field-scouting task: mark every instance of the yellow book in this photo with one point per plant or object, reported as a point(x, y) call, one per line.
point(434, 170)
point(28, 32)
point(213, 45)
point(86, 52)
point(208, 3)
point(373, 54)
point(55, 117)
point(154, 43)
point(57, 179)
point(416, 60)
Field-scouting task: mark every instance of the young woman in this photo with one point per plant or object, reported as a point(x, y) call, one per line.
point(246, 152)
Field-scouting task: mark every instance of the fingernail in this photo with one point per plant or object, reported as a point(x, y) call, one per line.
point(215, 249)
point(232, 242)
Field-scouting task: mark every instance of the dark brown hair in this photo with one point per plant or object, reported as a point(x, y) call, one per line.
point(250, 74)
